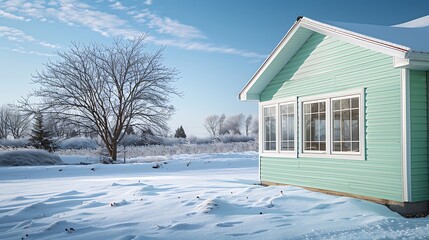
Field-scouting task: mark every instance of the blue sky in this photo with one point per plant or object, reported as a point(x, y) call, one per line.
point(216, 45)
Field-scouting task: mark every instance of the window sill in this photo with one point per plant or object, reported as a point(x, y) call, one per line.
point(359, 157)
point(279, 155)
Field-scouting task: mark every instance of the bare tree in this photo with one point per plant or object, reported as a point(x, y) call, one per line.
point(108, 89)
point(233, 123)
point(4, 115)
point(211, 123)
point(247, 124)
point(255, 126)
point(17, 123)
point(221, 131)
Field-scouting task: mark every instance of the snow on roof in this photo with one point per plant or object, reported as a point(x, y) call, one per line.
point(406, 34)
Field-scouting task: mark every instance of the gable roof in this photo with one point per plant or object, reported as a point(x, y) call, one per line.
point(408, 46)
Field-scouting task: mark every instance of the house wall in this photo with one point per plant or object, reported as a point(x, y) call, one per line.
point(325, 65)
point(419, 135)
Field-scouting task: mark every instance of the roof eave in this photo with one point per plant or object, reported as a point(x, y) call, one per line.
point(414, 60)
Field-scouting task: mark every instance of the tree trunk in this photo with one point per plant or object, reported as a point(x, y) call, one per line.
point(112, 148)
point(114, 151)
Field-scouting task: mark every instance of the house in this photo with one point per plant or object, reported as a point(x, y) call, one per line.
point(343, 109)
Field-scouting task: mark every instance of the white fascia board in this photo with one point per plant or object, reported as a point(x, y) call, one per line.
point(268, 61)
point(375, 44)
point(406, 138)
point(418, 63)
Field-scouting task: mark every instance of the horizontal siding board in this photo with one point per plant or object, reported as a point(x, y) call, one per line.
point(326, 65)
point(419, 135)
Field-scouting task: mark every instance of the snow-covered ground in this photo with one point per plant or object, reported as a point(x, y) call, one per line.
point(200, 196)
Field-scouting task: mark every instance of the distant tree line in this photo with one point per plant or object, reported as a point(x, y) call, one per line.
point(239, 124)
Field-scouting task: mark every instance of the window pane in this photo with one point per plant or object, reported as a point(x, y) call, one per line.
point(321, 106)
point(337, 146)
point(313, 128)
point(322, 146)
point(355, 125)
point(355, 102)
point(336, 105)
point(287, 126)
point(337, 129)
point(355, 146)
point(315, 146)
point(307, 125)
point(345, 125)
point(291, 109)
point(322, 126)
point(346, 147)
point(291, 128)
point(345, 103)
point(314, 107)
point(307, 108)
point(270, 128)
point(307, 146)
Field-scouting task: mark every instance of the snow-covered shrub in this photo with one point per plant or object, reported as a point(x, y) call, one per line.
point(160, 150)
point(235, 138)
point(28, 158)
point(17, 143)
point(172, 141)
point(78, 143)
point(200, 140)
point(131, 140)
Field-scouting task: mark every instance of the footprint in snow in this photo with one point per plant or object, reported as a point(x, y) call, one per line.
point(227, 224)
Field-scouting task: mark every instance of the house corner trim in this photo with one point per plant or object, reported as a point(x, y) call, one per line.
point(406, 132)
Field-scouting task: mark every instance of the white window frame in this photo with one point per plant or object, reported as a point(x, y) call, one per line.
point(295, 131)
point(332, 129)
point(302, 126)
point(329, 132)
point(278, 152)
point(263, 128)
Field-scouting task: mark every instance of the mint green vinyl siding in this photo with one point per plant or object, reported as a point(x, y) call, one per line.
point(326, 65)
point(419, 134)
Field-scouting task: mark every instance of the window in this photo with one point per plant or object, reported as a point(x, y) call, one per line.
point(287, 126)
point(345, 114)
point(269, 120)
point(323, 126)
point(314, 126)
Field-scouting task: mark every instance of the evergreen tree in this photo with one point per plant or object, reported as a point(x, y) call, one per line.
point(180, 133)
point(40, 136)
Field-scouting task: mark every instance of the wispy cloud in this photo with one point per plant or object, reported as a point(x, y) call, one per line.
point(23, 51)
point(16, 35)
point(11, 16)
point(13, 34)
point(166, 25)
point(73, 12)
point(49, 45)
point(118, 6)
point(206, 47)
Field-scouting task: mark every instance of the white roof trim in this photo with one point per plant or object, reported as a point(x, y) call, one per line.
point(375, 44)
point(243, 94)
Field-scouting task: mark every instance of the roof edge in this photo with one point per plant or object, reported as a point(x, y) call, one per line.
point(269, 59)
point(392, 49)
